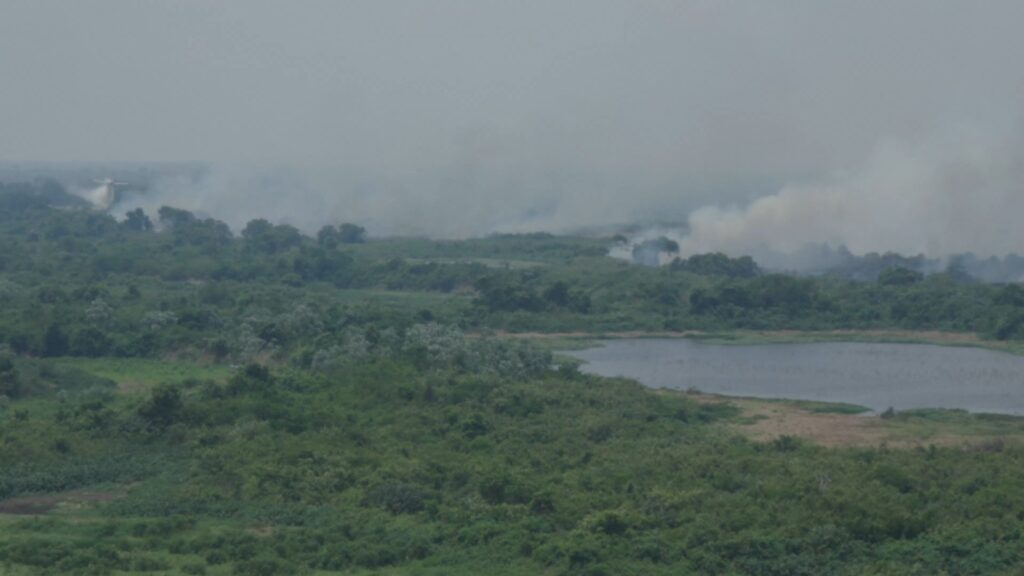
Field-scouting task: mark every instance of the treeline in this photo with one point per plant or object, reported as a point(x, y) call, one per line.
point(714, 292)
point(967, 267)
point(80, 283)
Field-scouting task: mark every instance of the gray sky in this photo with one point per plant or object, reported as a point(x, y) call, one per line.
point(549, 112)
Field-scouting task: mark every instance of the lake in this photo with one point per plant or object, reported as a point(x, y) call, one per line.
point(878, 376)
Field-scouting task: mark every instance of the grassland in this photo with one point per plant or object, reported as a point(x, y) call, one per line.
point(144, 373)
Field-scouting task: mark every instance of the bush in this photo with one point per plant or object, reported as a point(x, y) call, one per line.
point(265, 565)
point(396, 498)
point(163, 408)
point(194, 569)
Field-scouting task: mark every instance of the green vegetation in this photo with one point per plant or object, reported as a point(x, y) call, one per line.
point(176, 399)
point(82, 284)
point(433, 465)
point(826, 407)
point(993, 429)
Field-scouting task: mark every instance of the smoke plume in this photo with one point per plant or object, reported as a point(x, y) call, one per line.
point(925, 199)
point(101, 197)
point(796, 122)
point(473, 197)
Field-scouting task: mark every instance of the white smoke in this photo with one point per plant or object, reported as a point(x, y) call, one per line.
point(936, 197)
point(450, 202)
point(924, 199)
point(101, 197)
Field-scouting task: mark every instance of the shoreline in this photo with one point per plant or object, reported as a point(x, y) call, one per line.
point(573, 340)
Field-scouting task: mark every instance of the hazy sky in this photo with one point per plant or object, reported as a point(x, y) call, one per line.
point(557, 111)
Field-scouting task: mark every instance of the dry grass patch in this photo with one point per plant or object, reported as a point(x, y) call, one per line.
point(767, 420)
point(44, 504)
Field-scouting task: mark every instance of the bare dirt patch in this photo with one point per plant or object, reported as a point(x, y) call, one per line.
point(584, 335)
point(930, 335)
point(44, 504)
point(130, 386)
point(765, 421)
point(261, 531)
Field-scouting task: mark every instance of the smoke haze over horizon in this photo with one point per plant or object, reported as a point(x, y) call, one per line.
point(762, 127)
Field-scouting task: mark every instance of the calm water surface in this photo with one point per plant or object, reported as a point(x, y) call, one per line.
point(878, 376)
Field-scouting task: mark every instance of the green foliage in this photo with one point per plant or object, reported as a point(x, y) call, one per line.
point(396, 498)
point(290, 472)
point(278, 404)
point(55, 342)
point(262, 236)
point(163, 408)
point(648, 252)
point(137, 221)
point(899, 277)
point(191, 288)
point(718, 264)
point(351, 234)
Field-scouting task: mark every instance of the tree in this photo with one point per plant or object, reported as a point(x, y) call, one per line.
point(90, 342)
point(99, 312)
point(718, 264)
point(784, 292)
point(557, 294)
point(507, 294)
point(560, 295)
point(163, 408)
point(957, 272)
point(648, 252)
point(328, 237)
point(262, 236)
point(323, 263)
point(10, 383)
point(137, 221)
point(351, 234)
point(897, 276)
point(209, 233)
point(257, 231)
point(1010, 295)
point(175, 217)
point(702, 301)
point(55, 342)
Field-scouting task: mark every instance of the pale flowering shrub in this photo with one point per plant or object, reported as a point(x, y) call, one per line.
point(448, 347)
point(98, 312)
point(10, 290)
point(158, 319)
point(354, 347)
point(437, 344)
point(326, 359)
point(249, 345)
point(298, 322)
point(504, 358)
point(434, 346)
point(387, 341)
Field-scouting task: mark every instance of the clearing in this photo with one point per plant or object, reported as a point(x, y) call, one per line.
point(839, 425)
